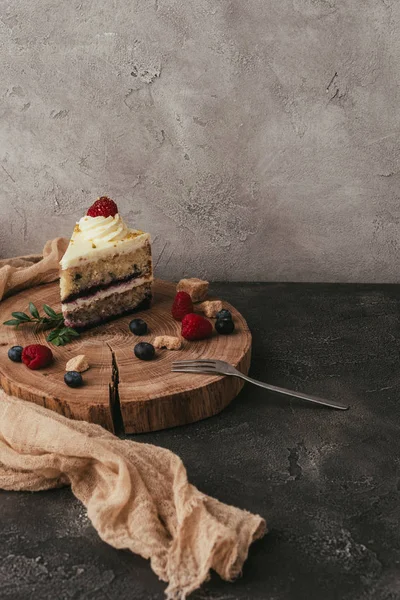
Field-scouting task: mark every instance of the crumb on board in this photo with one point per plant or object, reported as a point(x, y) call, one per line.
point(167, 341)
point(210, 308)
point(196, 288)
point(77, 363)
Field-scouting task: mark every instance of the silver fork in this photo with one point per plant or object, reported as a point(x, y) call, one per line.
point(219, 367)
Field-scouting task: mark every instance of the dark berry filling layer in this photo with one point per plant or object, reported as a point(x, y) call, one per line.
point(93, 289)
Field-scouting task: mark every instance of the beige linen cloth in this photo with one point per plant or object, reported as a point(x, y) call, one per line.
point(137, 495)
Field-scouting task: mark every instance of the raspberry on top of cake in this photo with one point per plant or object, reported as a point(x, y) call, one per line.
point(107, 268)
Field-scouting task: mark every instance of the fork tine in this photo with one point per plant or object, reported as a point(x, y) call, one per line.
point(195, 362)
point(199, 367)
point(198, 360)
point(203, 370)
point(193, 366)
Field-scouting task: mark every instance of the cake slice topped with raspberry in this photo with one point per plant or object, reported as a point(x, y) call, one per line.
point(107, 268)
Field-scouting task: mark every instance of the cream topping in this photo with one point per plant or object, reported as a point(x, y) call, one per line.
point(95, 238)
point(103, 229)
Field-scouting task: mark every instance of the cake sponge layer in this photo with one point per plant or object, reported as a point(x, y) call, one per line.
point(92, 276)
point(103, 309)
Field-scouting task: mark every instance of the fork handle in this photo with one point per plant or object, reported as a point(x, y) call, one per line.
point(279, 390)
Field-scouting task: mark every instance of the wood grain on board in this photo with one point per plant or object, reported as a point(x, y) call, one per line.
point(122, 392)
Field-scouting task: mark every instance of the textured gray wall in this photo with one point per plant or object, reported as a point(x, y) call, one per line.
point(255, 139)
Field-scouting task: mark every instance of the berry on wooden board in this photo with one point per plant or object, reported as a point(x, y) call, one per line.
point(144, 351)
point(73, 379)
point(182, 306)
point(138, 326)
point(103, 207)
point(224, 314)
point(15, 353)
point(36, 356)
point(225, 326)
point(195, 327)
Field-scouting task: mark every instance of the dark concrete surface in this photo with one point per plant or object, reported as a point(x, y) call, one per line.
point(327, 482)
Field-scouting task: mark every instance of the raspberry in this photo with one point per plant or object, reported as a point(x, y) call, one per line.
point(36, 356)
point(103, 207)
point(182, 306)
point(195, 327)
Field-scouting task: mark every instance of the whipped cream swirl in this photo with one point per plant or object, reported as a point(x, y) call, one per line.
point(103, 229)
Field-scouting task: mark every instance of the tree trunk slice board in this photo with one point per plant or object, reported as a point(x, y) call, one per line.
point(121, 392)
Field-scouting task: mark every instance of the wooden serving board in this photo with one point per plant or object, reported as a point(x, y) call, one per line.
point(121, 392)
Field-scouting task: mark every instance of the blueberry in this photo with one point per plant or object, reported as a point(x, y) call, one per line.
point(224, 314)
point(15, 353)
point(224, 326)
point(73, 379)
point(144, 351)
point(138, 326)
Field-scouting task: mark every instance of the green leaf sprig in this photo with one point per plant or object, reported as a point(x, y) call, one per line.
point(60, 335)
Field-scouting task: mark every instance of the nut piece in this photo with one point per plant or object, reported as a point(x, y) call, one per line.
point(78, 363)
point(210, 308)
point(167, 341)
point(196, 288)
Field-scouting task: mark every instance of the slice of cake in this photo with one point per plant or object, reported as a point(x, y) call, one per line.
point(107, 268)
